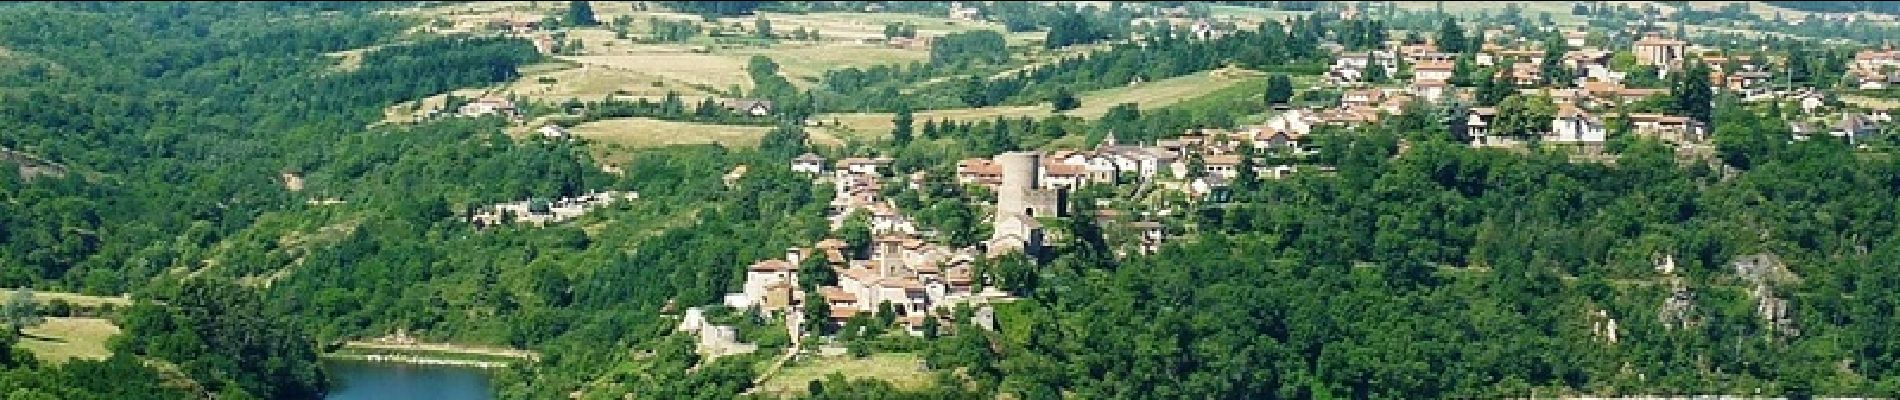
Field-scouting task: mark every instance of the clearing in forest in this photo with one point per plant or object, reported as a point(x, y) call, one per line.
point(64, 338)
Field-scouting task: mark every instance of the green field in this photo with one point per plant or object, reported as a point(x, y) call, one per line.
point(61, 338)
point(903, 370)
point(647, 132)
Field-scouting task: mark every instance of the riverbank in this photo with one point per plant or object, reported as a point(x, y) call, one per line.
point(414, 359)
point(432, 354)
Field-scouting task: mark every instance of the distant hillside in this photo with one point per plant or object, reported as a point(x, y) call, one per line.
point(1883, 7)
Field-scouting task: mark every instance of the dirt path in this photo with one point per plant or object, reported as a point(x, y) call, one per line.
point(792, 322)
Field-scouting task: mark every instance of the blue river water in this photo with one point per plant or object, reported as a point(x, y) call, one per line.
point(363, 380)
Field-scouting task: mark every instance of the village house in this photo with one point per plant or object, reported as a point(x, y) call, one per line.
point(979, 171)
point(958, 11)
point(1582, 61)
point(886, 219)
point(1854, 128)
point(1432, 56)
point(1432, 70)
point(1478, 127)
point(1350, 67)
point(1347, 117)
point(552, 131)
point(714, 340)
point(1576, 38)
point(1224, 166)
point(1283, 141)
point(1519, 56)
point(809, 163)
point(1206, 187)
point(1726, 64)
point(1875, 80)
point(1656, 50)
point(1525, 73)
point(1874, 60)
point(1809, 99)
point(1669, 128)
point(488, 105)
point(544, 43)
point(1575, 126)
point(1205, 29)
point(770, 285)
point(863, 166)
point(1151, 235)
point(1145, 162)
point(1362, 98)
point(1749, 84)
point(1415, 52)
point(752, 107)
point(1296, 121)
point(1056, 175)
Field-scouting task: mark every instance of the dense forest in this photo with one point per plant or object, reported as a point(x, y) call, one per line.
point(172, 126)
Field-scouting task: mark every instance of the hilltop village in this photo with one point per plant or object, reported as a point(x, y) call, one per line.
point(960, 199)
point(1569, 89)
point(1579, 103)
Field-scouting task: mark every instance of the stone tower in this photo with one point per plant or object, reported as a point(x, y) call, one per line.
point(1018, 203)
point(1019, 178)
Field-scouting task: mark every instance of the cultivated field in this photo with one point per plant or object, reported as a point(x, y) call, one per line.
point(903, 370)
point(647, 132)
point(60, 339)
point(716, 71)
point(853, 26)
point(1148, 96)
point(704, 65)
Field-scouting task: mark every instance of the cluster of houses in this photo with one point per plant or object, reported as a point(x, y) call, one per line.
point(899, 271)
point(539, 213)
point(1875, 69)
point(1218, 151)
point(1582, 107)
point(965, 12)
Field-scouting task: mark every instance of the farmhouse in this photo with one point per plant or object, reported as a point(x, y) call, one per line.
point(489, 105)
point(552, 131)
point(752, 107)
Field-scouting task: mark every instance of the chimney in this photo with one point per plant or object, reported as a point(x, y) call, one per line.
point(794, 255)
